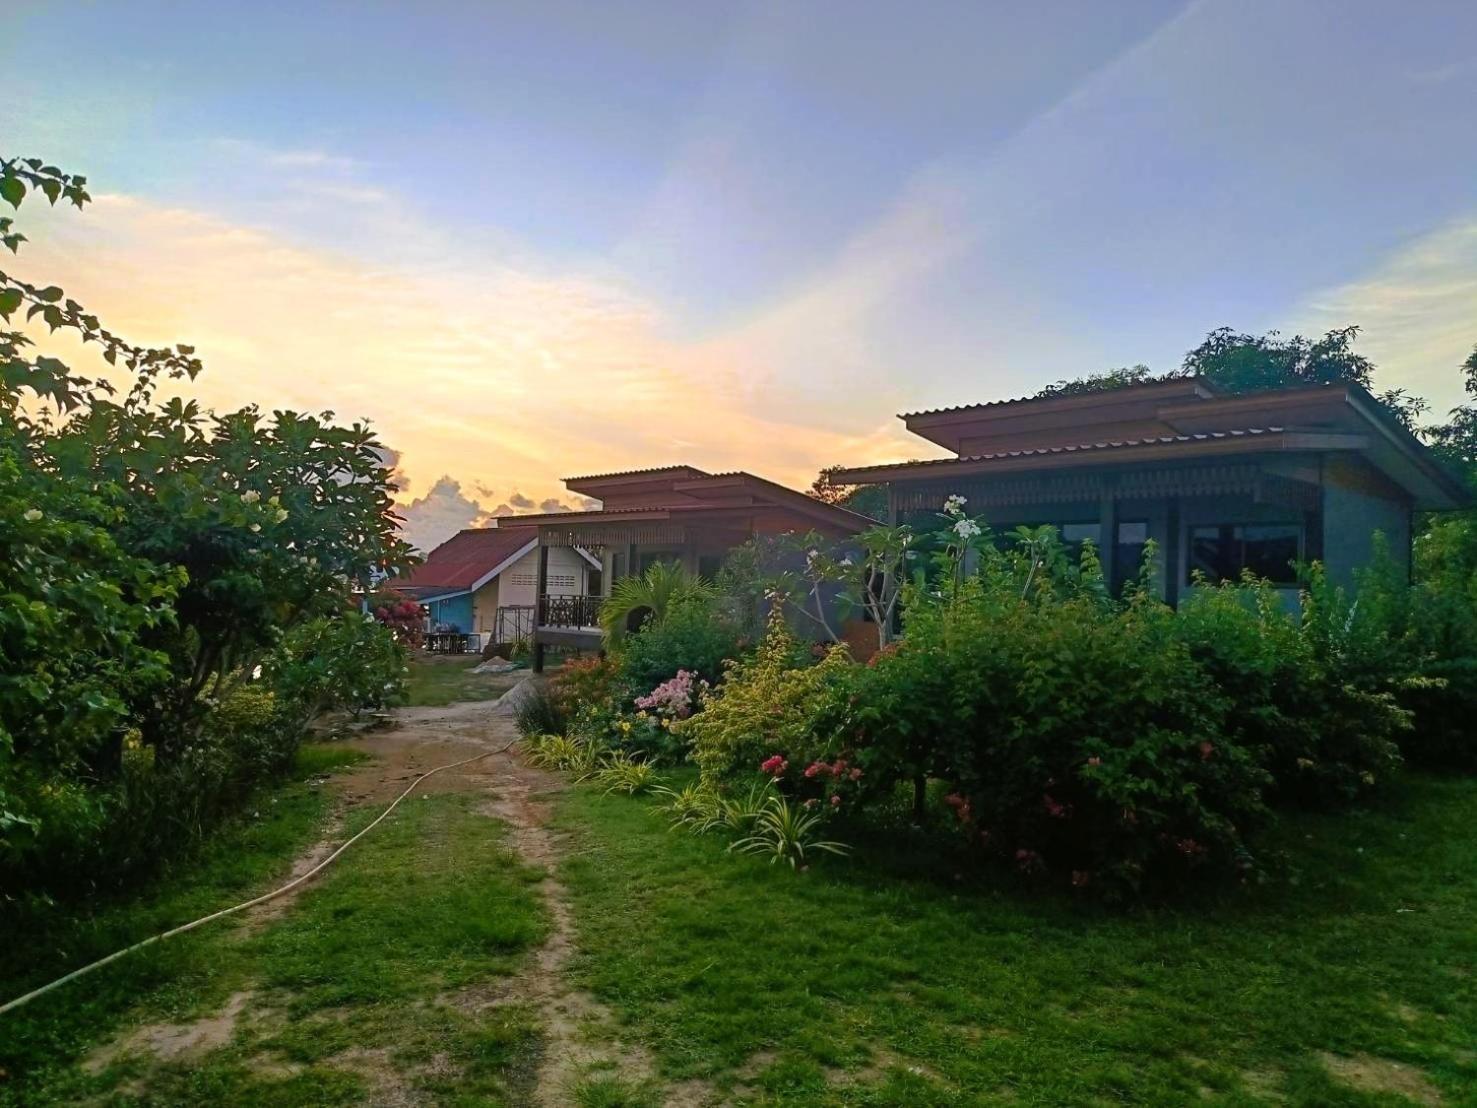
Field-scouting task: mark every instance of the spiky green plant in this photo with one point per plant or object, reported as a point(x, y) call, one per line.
point(787, 832)
point(694, 807)
point(619, 772)
point(655, 592)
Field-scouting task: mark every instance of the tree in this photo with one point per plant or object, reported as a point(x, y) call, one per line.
point(1105, 381)
point(867, 500)
point(261, 522)
point(1455, 441)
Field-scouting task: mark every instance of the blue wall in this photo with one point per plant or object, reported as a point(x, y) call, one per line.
point(455, 610)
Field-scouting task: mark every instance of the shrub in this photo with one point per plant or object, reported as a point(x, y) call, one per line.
point(345, 663)
point(1322, 737)
point(582, 681)
point(766, 705)
point(540, 711)
point(695, 636)
point(1080, 738)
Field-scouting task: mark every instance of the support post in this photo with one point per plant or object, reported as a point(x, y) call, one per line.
point(1108, 529)
point(540, 604)
point(1172, 553)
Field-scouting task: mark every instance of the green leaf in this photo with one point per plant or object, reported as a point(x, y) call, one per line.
point(52, 189)
point(10, 300)
point(12, 189)
point(51, 294)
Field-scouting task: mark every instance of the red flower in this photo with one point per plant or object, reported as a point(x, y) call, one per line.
point(1055, 810)
point(814, 768)
point(775, 765)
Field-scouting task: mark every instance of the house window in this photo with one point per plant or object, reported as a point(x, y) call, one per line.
point(1073, 535)
point(1128, 558)
point(561, 581)
point(1222, 551)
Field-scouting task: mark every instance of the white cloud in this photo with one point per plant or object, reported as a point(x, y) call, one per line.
point(444, 510)
point(1417, 312)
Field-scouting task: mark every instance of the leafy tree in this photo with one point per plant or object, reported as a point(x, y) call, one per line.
point(1100, 382)
point(152, 552)
point(867, 500)
point(1456, 439)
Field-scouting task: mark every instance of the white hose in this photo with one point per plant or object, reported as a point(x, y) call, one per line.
point(294, 883)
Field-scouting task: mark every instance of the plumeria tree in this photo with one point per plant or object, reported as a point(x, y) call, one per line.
point(161, 550)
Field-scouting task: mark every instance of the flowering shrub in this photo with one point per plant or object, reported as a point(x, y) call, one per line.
point(402, 617)
point(1081, 740)
point(695, 636)
point(767, 704)
point(673, 699)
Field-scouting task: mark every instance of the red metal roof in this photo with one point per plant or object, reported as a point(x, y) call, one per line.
point(468, 556)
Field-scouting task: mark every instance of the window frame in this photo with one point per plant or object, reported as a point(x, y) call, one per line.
point(1299, 527)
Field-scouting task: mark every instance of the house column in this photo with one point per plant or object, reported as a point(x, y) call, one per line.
point(1172, 552)
point(540, 592)
point(1108, 526)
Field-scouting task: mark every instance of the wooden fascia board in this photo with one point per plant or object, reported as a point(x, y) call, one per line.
point(1103, 456)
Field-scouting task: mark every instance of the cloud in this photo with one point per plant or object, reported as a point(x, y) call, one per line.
point(444, 510)
point(1417, 311)
point(500, 376)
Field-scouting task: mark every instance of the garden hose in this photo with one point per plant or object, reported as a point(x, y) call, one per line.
point(294, 883)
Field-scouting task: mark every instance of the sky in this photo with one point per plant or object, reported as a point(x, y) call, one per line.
point(530, 241)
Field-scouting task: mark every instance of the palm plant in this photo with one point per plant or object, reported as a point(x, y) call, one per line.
point(656, 592)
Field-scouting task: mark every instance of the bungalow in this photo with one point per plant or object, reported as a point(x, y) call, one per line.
point(1220, 483)
point(671, 514)
point(483, 580)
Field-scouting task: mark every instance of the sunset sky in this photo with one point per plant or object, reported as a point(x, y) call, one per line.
point(535, 240)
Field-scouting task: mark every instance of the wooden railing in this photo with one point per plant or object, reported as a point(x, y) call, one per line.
point(569, 611)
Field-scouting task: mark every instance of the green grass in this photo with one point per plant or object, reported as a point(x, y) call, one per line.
point(435, 683)
point(890, 980)
point(365, 962)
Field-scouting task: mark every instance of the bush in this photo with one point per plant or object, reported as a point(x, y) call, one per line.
point(540, 711)
point(695, 636)
point(1323, 737)
point(345, 663)
point(1081, 740)
point(767, 706)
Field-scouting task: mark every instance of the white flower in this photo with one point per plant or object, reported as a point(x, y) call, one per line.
point(250, 496)
point(954, 505)
point(846, 561)
point(32, 515)
point(966, 529)
point(255, 527)
point(281, 514)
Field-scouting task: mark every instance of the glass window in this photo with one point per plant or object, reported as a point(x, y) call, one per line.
point(1128, 558)
point(1268, 550)
point(1271, 549)
point(1075, 534)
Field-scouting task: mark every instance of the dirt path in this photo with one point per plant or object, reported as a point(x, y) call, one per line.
point(580, 1040)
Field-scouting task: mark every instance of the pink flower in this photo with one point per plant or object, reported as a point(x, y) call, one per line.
point(1207, 748)
point(775, 765)
point(812, 769)
point(1094, 761)
point(855, 774)
point(1054, 809)
point(1027, 860)
point(835, 800)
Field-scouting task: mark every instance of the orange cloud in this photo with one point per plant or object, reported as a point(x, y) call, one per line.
point(502, 377)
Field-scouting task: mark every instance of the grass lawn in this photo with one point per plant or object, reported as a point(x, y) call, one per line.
point(1352, 980)
point(359, 978)
point(437, 681)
